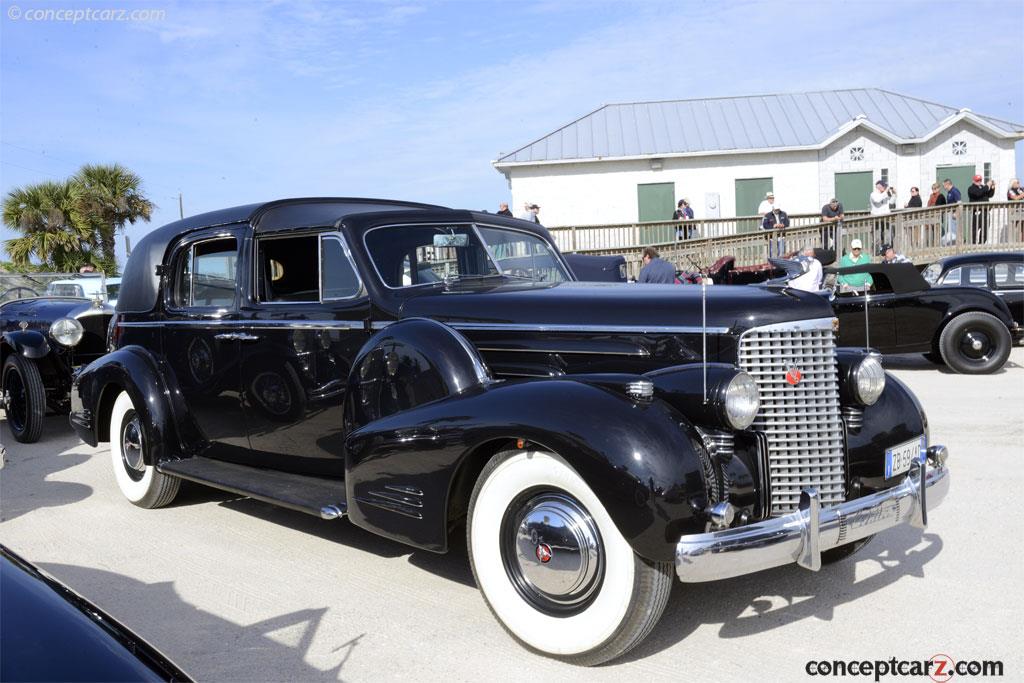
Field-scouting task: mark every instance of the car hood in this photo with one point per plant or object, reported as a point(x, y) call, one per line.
point(569, 304)
point(40, 312)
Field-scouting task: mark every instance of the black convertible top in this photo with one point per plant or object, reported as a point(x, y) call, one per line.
point(140, 284)
point(902, 277)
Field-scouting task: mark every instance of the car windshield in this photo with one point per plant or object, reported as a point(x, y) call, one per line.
point(64, 289)
point(931, 273)
point(411, 255)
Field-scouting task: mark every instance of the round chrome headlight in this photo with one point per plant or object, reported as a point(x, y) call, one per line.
point(868, 380)
point(742, 401)
point(66, 331)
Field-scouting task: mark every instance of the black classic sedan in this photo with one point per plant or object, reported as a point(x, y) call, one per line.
point(968, 329)
point(43, 339)
point(421, 370)
point(1000, 272)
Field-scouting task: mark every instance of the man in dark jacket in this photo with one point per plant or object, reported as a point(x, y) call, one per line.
point(776, 220)
point(655, 270)
point(503, 210)
point(981, 192)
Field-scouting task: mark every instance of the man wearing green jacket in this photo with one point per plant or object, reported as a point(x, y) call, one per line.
point(855, 257)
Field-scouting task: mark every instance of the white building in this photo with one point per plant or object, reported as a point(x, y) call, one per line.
point(629, 162)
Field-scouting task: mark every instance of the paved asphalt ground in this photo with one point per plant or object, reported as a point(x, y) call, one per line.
point(233, 589)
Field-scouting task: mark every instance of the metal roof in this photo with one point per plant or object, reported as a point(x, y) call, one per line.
point(742, 124)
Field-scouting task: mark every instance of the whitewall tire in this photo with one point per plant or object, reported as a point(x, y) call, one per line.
point(553, 567)
point(140, 483)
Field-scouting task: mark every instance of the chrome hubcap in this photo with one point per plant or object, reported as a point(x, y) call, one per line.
point(553, 552)
point(131, 446)
point(976, 346)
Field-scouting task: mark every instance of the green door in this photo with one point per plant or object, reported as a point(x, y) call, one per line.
point(962, 177)
point(750, 193)
point(853, 189)
point(656, 201)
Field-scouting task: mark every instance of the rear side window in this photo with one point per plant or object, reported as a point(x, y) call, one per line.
point(1009, 275)
point(206, 275)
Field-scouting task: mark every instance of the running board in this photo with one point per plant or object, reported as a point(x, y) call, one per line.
point(324, 498)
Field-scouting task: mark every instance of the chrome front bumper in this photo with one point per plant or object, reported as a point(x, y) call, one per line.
point(803, 535)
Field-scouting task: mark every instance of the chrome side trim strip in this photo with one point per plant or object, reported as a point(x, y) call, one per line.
point(615, 329)
point(254, 324)
point(639, 352)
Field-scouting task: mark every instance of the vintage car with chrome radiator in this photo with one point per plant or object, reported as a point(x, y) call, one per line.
point(43, 339)
point(423, 371)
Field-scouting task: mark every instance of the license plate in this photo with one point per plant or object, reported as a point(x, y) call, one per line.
point(899, 458)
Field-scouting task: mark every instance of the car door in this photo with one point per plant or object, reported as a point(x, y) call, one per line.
point(1008, 285)
point(200, 340)
point(306, 319)
point(866, 320)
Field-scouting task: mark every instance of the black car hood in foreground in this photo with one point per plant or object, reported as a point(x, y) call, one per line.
point(51, 633)
point(618, 305)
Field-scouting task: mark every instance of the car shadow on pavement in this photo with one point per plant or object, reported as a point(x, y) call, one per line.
point(917, 361)
point(453, 565)
point(190, 636)
point(775, 598)
point(17, 495)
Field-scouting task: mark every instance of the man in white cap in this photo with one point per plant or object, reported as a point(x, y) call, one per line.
point(767, 204)
point(855, 257)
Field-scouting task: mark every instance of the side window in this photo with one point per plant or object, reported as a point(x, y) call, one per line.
point(952, 277)
point(977, 276)
point(205, 275)
point(1009, 275)
point(338, 278)
point(287, 269)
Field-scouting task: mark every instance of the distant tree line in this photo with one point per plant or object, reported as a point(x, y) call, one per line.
point(71, 223)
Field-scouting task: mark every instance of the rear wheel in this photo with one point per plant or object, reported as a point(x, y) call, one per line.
point(975, 343)
point(553, 567)
point(24, 397)
point(140, 483)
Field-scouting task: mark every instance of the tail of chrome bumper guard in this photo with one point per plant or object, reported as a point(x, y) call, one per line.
point(803, 535)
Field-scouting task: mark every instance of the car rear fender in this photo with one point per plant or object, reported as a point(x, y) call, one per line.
point(132, 369)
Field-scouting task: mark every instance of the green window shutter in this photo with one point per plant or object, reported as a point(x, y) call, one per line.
point(656, 201)
point(853, 190)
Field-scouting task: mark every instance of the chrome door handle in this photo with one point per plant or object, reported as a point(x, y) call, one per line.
point(236, 336)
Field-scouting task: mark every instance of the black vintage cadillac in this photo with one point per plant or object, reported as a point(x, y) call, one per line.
point(43, 339)
point(422, 370)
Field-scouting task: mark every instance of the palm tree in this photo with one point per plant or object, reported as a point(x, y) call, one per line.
point(48, 216)
point(111, 197)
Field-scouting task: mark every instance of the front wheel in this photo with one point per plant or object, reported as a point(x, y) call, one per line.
point(553, 567)
point(24, 397)
point(140, 483)
point(975, 343)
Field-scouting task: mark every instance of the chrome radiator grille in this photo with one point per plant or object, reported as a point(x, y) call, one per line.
point(802, 421)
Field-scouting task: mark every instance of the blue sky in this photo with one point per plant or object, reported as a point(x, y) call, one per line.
point(234, 102)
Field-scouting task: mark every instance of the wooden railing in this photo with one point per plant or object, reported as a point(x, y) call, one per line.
point(921, 235)
point(616, 236)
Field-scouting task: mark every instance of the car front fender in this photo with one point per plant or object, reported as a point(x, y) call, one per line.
point(641, 459)
point(29, 343)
